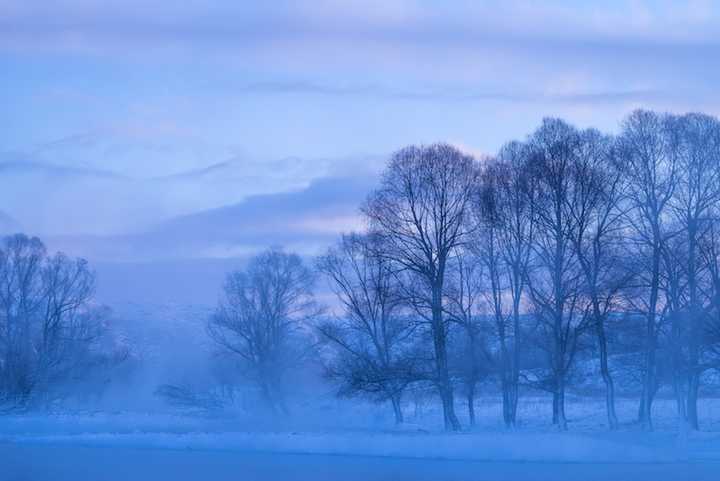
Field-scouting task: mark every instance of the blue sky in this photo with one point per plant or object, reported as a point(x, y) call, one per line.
point(120, 116)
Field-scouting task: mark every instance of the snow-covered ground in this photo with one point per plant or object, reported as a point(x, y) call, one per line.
point(342, 428)
point(330, 438)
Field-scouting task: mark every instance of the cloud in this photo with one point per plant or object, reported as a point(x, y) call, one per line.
point(192, 106)
point(19, 164)
point(135, 149)
point(101, 183)
point(239, 28)
point(445, 94)
point(401, 20)
point(626, 52)
point(310, 218)
point(307, 221)
point(51, 198)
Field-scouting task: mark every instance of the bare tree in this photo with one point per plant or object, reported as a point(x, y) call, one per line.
point(506, 210)
point(488, 246)
point(374, 336)
point(695, 149)
point(69, 324)
point(464, 302)
point(555, 278)
point(260, 316)
point(672, 359)
point(651, 172)
point(420, 213)
point(21, 264)
point(595, 204)
point(710, 252)
point(48, 323)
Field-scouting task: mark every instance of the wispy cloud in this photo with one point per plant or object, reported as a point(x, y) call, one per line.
point(306, 220)
point(172, 108)
point(449, 94)
point(55, 197)
point(455, 51)
point(460, 22)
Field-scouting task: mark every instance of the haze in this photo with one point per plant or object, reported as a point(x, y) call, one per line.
point(262, 273)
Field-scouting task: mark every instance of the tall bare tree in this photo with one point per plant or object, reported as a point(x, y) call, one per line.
point(488, 246)
point(555, 278)
point(595, 202)
point(373, 337)
point(651, 173)
point(260, 317)
point(420, 212)
point(710, 252)
point(507, 210)
point(695, 149)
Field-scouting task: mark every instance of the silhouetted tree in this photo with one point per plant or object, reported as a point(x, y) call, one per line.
point(595, 203)
point(48, 323)
point(695, 149)
point(373, 337)
point(260, 316)
point(504, 214)
point(651, 173)
point(555, 277)
point(420, 213)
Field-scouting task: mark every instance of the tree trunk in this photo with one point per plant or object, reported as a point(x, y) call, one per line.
point(679, 377)
point(693, 371)
point(646, 402)
point(694, 342)
point(680, 398)
point(605, 372)
point(651, 340)
point(561, 419)
point(515, 379)
point(397, 409)
point(647, 392)
point(267, 396)
point(513, 405)
point(471, 403)
point(692, 399)
point(441, 363)
point(506, 401)
point(450, 419)
point(506, 380)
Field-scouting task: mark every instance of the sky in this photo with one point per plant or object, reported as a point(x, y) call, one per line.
point(137, 130)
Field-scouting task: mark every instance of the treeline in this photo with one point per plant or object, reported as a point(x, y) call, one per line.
point(511, 267)
point(568, 248)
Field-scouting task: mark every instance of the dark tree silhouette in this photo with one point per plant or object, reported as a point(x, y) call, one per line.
point(420, 213)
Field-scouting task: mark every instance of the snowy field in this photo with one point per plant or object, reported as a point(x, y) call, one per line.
point(352, 441)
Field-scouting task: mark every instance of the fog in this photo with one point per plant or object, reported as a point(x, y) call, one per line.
point(533, 306)
point(359, 240)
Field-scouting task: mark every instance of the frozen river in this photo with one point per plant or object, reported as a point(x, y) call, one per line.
point(67, 462)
